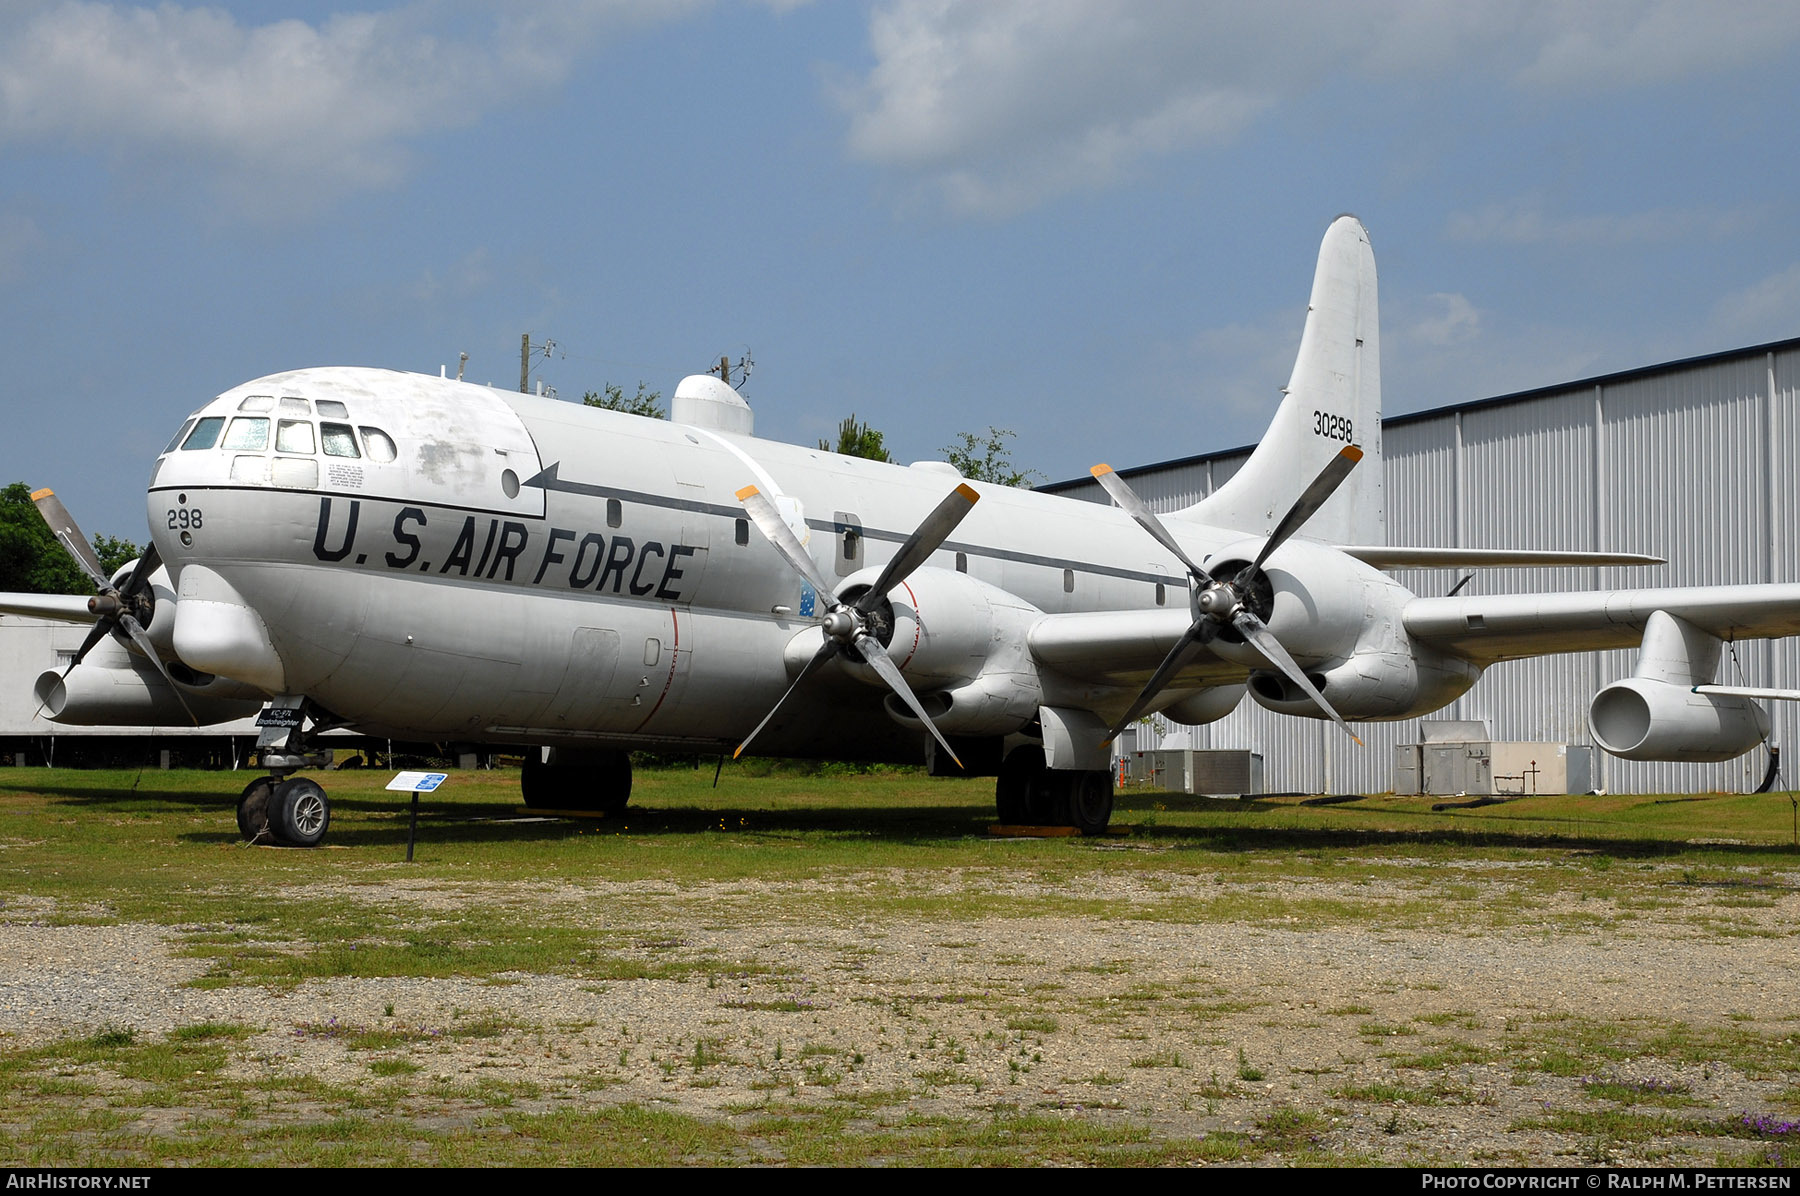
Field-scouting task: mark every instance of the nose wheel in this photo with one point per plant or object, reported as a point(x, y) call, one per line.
point(289, 810)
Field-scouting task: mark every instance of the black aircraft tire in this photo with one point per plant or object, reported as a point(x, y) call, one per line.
point(1088, 799)
point(1023, 793)
point(601, 788)
point(253, 808)
point(299, 813)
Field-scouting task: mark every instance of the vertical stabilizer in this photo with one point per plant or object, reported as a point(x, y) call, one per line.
point(1333, 399)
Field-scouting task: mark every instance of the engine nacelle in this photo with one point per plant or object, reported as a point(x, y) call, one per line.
point(1372, 686)
point(1207, 706)
point(962, 646)
point(1644, 719)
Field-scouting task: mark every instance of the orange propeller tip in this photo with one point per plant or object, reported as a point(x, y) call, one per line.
point(746, 492)
point(1352, 452)
point(969, 492)
point(46, 492)
point(1100, 469)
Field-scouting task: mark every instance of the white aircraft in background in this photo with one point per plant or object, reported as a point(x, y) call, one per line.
point(426, 560)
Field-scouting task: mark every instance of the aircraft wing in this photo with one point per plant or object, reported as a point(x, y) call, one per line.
point(66, 608)
point(1123, 647)
point(1492, 628)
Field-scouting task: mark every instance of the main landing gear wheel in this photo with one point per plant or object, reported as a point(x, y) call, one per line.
point(253, 808)
point(299, 812)
point(588, 782)
point(1032, 794)
point(1087, 799)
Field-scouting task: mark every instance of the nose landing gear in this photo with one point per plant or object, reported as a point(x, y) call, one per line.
point(282, 808)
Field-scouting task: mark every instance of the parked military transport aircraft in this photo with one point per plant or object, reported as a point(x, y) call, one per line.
point(427, 560)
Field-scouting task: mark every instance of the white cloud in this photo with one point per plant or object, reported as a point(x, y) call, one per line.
point(992, 107)
point(286, 115)
point(1764, 311)
point(1454, 320)
point(1525, 222)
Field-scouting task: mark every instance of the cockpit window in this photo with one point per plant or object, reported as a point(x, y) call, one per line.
point(205, 434)
point(293, 406)
point(294, 436)
point(332, 408)
point(339, 440)
point(257, 403)
point(249, 434)
point(176, 439)
point(379, 444)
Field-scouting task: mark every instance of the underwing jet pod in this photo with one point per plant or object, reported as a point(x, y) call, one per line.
point(421, 559)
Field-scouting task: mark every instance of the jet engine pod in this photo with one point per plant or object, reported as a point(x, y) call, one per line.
point(1644, 719)
point(133, 693)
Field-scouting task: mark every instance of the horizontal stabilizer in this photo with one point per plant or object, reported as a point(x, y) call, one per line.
point(1384, 556)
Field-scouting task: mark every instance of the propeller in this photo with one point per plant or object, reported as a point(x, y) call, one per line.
point(119, 608)
point(1220, 602)
point(850, 626)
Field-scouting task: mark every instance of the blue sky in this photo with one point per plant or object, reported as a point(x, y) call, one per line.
point(1092, 223)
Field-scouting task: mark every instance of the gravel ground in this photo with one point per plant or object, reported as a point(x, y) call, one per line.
point(1190, 1028)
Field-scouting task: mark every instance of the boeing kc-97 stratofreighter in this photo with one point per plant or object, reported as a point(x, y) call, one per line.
point(422, 559)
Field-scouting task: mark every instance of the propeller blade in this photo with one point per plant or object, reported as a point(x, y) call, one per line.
point(922, 543)
point(68, 534)
point(139, 580)
point(878, 659)
point(768, 520)
point(1258, 633)
point(1200, 632)
point(1134, 506)
point(829, 649)
point(141, 638)
point(1308, 504)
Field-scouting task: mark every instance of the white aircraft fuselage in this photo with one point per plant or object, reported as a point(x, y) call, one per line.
point(529, 570)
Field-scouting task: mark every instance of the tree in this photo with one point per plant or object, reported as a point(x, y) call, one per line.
point(857, 440)
point(644, 402)
point(32, 562)
point(988, 458)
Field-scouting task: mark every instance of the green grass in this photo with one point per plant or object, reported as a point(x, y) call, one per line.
point(493, 897)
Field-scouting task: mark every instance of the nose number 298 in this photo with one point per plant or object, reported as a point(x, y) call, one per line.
point(184, 518)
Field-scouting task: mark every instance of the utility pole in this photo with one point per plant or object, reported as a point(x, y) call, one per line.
point(525, 363)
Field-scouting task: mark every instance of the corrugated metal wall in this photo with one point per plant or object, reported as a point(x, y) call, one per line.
point(1693, 461)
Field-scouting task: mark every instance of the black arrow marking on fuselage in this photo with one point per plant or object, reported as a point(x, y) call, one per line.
point(547, 480)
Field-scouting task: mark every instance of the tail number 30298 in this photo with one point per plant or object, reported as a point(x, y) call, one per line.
point(1333, 427)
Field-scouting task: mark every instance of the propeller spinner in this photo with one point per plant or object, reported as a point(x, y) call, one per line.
point(1220, 602)
point(120, 608)
point(849, 626)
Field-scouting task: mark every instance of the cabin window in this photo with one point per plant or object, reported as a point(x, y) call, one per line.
point(296, 473)
point(176, 439)
point(652, 652)
point(1068, 581)
point(962, 562)
point(615, 512)
point(205, 434)
point(295, 436)
point(338, 439)
point(1161, 596)
point(332, 408)
point(257, 403)
point(293, 406)
point(379, 444)
point(247, 434)
point(743, 532)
